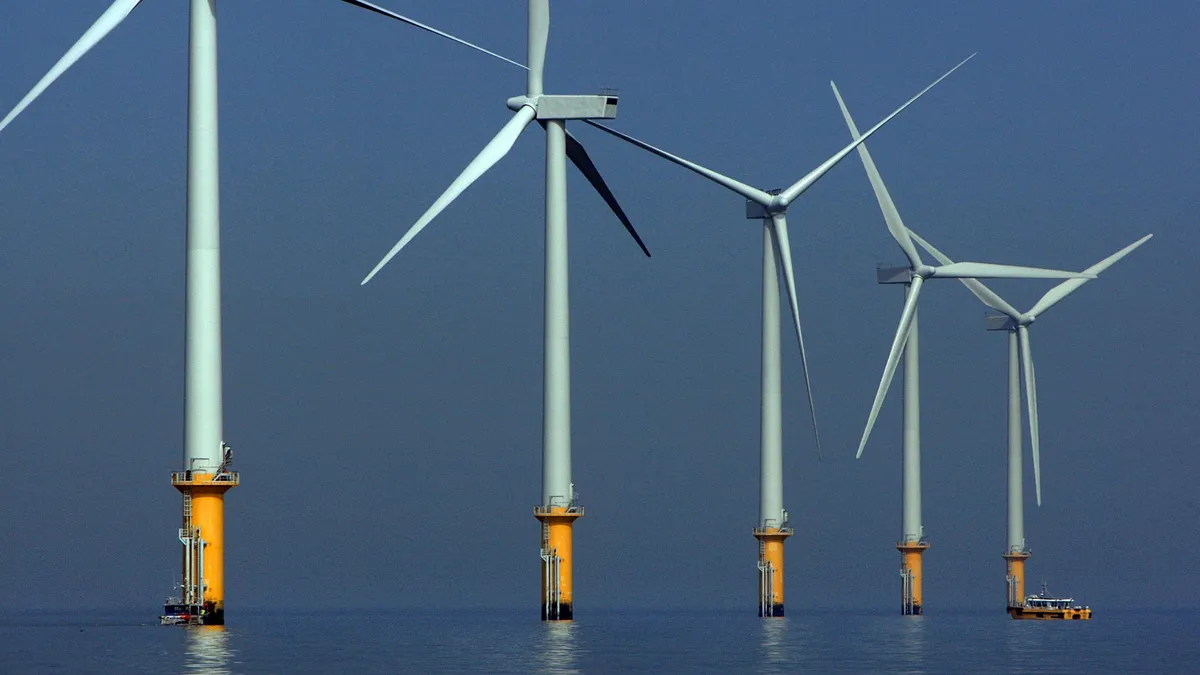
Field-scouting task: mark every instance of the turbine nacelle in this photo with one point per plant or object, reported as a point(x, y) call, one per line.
point(888, 274)
point(998, 322)
point(568, 107)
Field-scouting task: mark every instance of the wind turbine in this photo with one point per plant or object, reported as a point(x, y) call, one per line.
point(913, 543)
point(559, 507)
point(206, 476)
point(206, 458)
point(1020, 356)
point(771, 208)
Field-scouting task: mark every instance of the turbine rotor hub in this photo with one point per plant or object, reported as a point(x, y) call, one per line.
point(517, 102)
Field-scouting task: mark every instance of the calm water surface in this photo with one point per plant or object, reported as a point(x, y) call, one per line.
point(492, 641)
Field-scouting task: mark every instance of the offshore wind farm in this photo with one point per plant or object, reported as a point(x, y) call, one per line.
point(391, 429)
point(913, 543)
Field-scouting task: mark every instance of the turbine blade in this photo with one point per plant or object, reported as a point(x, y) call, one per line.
point(493, 152)
point(1056, 294)
point(789, 195)
point(976, 270)
point(110, 19)
point(751, 193)
point(1031, 405)
point(371, 7)
point(889, 370)
point(986, 295)
point(539, 35)
point(579, 157)
point(783, 252)
point(890, 214)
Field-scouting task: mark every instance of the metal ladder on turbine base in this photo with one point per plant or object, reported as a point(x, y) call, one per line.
point(906, 590)
point(766, 582)
point(551, 579)
point(192, 587)
point(188, 539)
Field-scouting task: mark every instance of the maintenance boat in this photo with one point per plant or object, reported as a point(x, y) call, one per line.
point(177, 613)
point(1043, 606)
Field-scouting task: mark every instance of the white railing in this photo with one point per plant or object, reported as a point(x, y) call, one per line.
point(573, 509)
point(225, 477)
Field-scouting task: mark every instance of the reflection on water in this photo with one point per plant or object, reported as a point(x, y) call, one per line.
point(207, 651)
point(557, 651)
point(902, 642)
point(774, 644)
point(912, 647)
point(1027, 642)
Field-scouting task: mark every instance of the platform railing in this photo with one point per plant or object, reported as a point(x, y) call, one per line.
point(228, 477)
point(573, 509)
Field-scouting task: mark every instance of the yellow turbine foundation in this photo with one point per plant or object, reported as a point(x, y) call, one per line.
point(1015, 579)
point(910, 574)
point(770, 569)
point(204, 519)
point(558, 599)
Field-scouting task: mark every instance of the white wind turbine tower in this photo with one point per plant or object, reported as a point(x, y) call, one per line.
point(771, 208)
point(559, 507)
point(1020, 357)
point(913, 543)
point(206, 475)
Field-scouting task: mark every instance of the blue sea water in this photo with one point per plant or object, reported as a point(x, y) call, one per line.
point(491, 641)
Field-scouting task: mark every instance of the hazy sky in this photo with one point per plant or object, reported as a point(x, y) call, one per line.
point(389, 437)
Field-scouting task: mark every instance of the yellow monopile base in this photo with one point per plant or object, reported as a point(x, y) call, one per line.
point(204, 515)
point(770, 569)
point(910, 575)
point(1015, 578)
point(558, 599)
